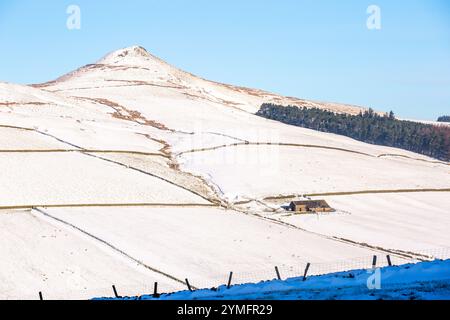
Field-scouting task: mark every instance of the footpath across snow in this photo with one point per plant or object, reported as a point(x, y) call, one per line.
point(421, 281)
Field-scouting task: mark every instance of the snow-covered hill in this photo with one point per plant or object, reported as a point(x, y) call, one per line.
point(107, 160)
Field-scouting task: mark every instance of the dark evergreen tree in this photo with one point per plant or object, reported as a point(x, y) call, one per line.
point(444, 119)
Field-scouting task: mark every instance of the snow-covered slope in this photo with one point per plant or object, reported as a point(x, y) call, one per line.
point(133, 130)
point(404, 221)
point(191, 113)
point(422, 281)
point(205, 244)
point(40, 255)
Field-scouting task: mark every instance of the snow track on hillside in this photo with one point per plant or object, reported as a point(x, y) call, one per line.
point(111, 246)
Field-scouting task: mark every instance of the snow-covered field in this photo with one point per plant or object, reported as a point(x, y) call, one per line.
point(39, 255)
point(282, 170)
point(74, 178)
point(405, 221)
point(205, 244)
point(131, 129)
point(16, 139)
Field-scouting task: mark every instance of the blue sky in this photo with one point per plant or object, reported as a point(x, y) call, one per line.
point(318, 50)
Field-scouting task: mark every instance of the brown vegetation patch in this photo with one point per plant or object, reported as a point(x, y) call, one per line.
point(131, 115)
point(165, 150)
point(14, 103)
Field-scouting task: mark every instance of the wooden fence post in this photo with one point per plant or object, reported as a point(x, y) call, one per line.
point(388, 257)
point(155, 290)
point(188, 285)
point(115, 291)
point(229, 280)
point(306, 271)
point(278, 273)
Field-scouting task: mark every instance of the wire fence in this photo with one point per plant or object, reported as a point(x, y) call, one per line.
point(307, 269)
point(304, 269)
point(235, 277)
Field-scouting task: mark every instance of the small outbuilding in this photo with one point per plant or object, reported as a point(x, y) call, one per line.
point(303, 206)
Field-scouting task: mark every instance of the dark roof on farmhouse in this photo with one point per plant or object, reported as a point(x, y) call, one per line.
point(311, 203)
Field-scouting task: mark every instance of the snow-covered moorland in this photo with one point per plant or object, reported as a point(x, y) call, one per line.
point(146, 173)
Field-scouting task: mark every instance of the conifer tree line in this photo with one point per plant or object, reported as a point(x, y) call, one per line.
point(443, 119)
point(368, 126)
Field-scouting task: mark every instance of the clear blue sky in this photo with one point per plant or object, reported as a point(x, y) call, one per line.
point(310, 49)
